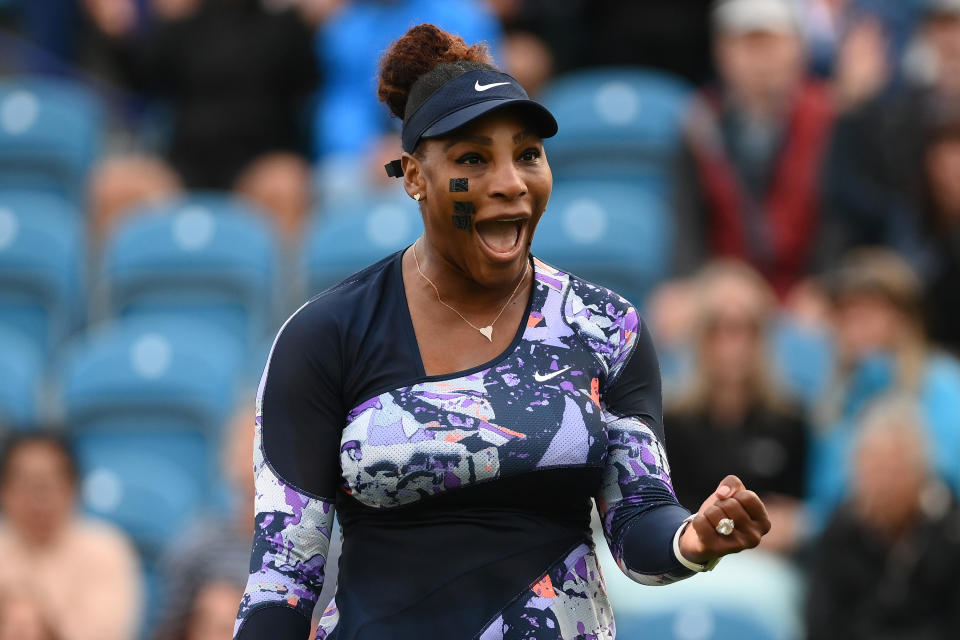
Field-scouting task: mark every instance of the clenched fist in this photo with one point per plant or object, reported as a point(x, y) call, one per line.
point(701, 543)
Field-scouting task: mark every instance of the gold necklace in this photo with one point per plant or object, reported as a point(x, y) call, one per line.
point(486, 331)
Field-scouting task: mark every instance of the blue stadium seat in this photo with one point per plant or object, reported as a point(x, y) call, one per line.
point(21, 370)
point(616, 123)
point(207, 256)
point(693, 622)
point(50, 134)
point(148, 371)
point(615, 234)
point(41, 266)
point(145, 399)
point(149, 484)
point(339, 246)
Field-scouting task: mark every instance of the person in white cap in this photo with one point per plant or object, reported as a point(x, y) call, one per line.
point(755, 143)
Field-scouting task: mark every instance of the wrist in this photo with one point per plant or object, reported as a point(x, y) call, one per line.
point(681, 549)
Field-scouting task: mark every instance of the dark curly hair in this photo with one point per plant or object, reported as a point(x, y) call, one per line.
point(422, 61)
point(49, 436)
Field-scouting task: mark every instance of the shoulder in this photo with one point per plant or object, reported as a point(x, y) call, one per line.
point(604, 321)
point(329, 315)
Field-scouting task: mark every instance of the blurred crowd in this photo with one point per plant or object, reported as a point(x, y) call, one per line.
point(808, 331)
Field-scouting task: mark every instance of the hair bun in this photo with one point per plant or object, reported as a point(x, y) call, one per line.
point(420, 50)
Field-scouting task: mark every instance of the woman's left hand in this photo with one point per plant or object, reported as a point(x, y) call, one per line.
point(701, 542)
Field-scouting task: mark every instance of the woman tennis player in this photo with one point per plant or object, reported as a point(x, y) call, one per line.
point(459, 403)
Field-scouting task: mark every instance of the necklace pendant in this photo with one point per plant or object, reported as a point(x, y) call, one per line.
point(487, 332)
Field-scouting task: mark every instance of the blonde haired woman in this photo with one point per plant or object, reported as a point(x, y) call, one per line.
point(730, 413)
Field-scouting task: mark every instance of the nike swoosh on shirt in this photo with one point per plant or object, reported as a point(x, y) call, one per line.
point(484, 87)
point(543, 378)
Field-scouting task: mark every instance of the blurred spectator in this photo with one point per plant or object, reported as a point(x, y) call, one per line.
point(873, 189)
point(880, 349)
point(886, 567)
point(672, 35)
point(353, 133)
point(349, 120)
point(52, 25)
point(527, 58)
point(238, 75)
point(215, 549)
point(122, 183)
point(732, 417)
point(940, 258)
point(828, 24)
point(557, 25)
point(23, 618)
point(213, 611)
point(84, 573)
point(755, 142)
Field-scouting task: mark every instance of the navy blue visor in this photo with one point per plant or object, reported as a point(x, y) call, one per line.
point(464, 99)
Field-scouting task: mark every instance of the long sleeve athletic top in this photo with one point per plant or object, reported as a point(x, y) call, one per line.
point(464, 498)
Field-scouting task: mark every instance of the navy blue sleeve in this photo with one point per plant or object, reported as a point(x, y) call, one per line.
point(637, 504)
point(296, 466)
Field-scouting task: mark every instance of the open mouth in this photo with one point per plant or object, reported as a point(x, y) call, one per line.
point(501, 236)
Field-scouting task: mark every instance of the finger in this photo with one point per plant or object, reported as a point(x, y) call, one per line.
point(706, 531)
point(734, 510)
point(714, 515)
point(753, 505)
point(746, 530)
point(729, 486)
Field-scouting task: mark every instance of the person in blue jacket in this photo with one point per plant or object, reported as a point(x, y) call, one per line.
point(880, 349)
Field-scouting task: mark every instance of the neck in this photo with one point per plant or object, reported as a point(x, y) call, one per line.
point(456, 287)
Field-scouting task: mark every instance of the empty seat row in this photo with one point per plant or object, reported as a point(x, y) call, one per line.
point(51, 133)
point(145, 399)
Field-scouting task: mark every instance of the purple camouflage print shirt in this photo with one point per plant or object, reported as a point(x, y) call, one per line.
point(464, 498)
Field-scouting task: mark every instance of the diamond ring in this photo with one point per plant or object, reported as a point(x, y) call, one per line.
point(725, 527)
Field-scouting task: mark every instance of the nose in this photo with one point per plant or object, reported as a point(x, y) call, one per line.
point(507, 182)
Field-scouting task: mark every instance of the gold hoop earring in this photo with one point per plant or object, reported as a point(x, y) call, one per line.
point(417, 197)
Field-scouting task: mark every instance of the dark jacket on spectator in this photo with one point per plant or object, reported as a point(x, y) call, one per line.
point(863, 587)
point(872, 181)
point(759, 206)
point(767, 451)
point(237, 76)
point(942, 291)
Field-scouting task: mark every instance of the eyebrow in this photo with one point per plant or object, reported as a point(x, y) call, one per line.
point(523, 135)
point(485, 140)
point(475, 139)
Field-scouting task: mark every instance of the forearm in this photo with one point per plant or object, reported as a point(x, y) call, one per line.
point(291, 540)
point(640, 512)
point(645, 550)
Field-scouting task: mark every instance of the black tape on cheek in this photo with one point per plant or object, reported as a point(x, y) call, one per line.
point(463, 215)
point(459, 185)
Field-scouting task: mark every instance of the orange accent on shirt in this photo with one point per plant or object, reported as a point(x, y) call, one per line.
point(533, 321)
point(512, 432)
point(544, 588)
point(293, 601)
point(595, 391)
